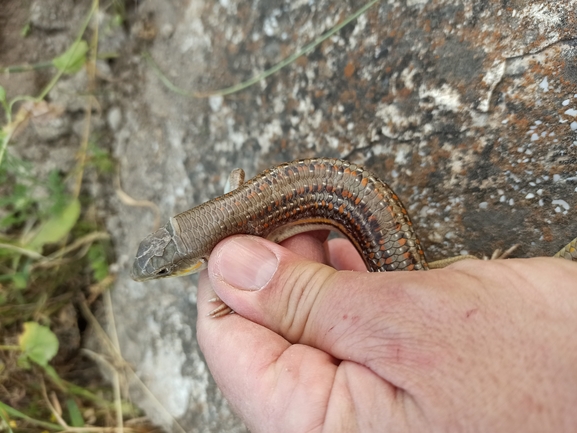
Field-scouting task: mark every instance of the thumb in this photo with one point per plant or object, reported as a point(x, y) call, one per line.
point(344, 313)
point(266, 282)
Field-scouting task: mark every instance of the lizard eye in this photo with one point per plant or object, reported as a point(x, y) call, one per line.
point(161, 272)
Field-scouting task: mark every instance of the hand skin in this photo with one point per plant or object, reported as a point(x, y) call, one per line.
point(480, 346)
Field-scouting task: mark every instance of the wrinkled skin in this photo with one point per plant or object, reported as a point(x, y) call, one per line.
point(477, 346)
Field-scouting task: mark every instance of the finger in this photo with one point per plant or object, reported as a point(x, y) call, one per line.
point(345, 314)
point(309, 245)
point(344, 256)
point(257, 369)
point(338, 253)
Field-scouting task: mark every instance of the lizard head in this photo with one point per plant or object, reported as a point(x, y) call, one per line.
point(159, 256)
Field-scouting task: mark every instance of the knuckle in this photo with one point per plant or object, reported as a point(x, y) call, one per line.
point(302, 289)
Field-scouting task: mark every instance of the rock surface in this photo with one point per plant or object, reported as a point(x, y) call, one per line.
point(467, 108)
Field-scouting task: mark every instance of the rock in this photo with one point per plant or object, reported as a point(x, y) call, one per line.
point(114, 118)
point(111, 34)
point(70, 92)
point(51, 129)
point(464, 107)
point(51, 14)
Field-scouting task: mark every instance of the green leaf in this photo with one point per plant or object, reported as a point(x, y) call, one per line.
point(117, 20)
point(56, 227)
point(20, 280)
point(38, 343)
point(23, 362)
point(25, 30)
point(51, 373)
point(2, 94)
point(76, 419)
point(73, 59)
point(101, 159)
point(57, 189)
point(98, 261)
point(6, 421)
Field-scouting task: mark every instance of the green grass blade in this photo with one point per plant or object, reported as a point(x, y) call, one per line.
point(241, 86)
point(17, 414)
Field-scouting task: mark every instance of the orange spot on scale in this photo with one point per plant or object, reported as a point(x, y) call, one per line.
point(402, 241)
point(357, 200)
point(330, 206)
point(341, 209)
point(389, 260)
point(365, 181)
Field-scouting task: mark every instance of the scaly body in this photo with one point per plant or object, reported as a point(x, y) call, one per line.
point(288, 199)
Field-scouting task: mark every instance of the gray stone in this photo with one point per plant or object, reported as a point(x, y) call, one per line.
point(463, 107)
point(50, 128)
point(111, 34)
point(79, 126)
point(70, 92)
point(114, 118)
point(51, 14)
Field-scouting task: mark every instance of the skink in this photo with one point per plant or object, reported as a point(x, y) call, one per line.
point(292, 198)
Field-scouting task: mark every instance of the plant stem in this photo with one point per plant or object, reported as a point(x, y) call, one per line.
point(241, 86)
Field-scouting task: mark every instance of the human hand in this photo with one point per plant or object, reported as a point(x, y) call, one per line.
point(477, 346)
